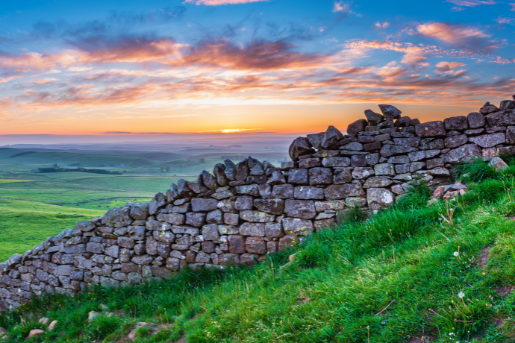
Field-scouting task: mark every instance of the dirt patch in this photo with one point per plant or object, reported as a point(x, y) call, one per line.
point(182, 340)
point(483, 257)
point(504, 290)
point(423, 339)
point(499, 323)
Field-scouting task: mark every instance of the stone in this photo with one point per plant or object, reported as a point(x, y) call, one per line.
point(336, 162)
point(401, 159)
point(195, 219)
point(510, 135)
point(439, 171)
point(456, 141)
point(209, 180)
point(373, 118)
point(476, 120)
point(353, 146)
point(337, 192)
point(488, 141)
point(402, 122)
point(315, 140)
point(229, 260)
point(203, 205)
point(392, 150)
point(390, 112)
point(171, 218)
point(231, 218)
point(331, 137)
point(456, 123)
point(215, 217)
point(377, 182)
point(242, 171)
point(309, 162)
point(247, 189)
point(358, 161)
point(287, 242)
point(379, 198)
point(308, 193)
point(300, 147)
point(283, 191)
point(210, 232)
point(298, 176)
point(236, 244)
point(304, 209)
point(357, 126)
point(361, 173)
point(219, 173)
point(498, 164)
point(412, 142)
point(245, 202)
point(256, 216)
point(35, 333)
point(154, 225)
point(372, 159)
point(463, 153)
point(252, 229)
point(430, 129)
point(255, 245)
point(297, 226)
point(273, 230)
point(384, 169)
point(320, 176)
point(342, 175)
point(230, 170)
point(436, 162)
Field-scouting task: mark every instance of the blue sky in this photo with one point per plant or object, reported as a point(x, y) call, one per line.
point(210, 65)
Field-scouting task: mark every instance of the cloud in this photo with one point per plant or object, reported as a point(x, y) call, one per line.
point(509, 21)
point(340, 6)
point(220, 2)
point(472, 3)
point(448, 68)
point(116, 133)
point(383, 25)
point(464, 37)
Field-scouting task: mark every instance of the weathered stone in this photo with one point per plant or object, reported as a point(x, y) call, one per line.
point(488, 141)
point(273, 230)
point(287, 242)
point(283, 191)
point(430, 129)
point(342, 175)
point(336, 162)
point(392, 150)
point(372, 159)
point(320, 176)
point(298, 176)
point(379, 198)
point(476, 120)
point(229, 260)
point(209, 180)
point(256, 216)
point(357, 126)
point(456, 123)
point(297, 226)
point(203, 205)
point(353, 146)
point(361, 173)
point(255, 245)
point(437, 162)
point(510, 135)
point(315, 140)
point(413, 142)
point(219, 173)
point(171, 218)
point(309, 162)
point(358, 161)
point(439, 171)
point(214, 217)
point(507, 105)
point(195, 219)
point(230, 170)
point(331, 137)
point(384, 169)
point(299, 147)
point(463, 153)
point(455, 141)
point(373, 118)
point(308, 192)
point(377, 182)
point(390, 112)
point(252, 229)
point(498, 163)
point(210, 232)
point(154, 225)
point(304, 209)
point(337, 192)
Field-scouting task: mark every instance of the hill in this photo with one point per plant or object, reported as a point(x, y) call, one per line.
point(412, 273)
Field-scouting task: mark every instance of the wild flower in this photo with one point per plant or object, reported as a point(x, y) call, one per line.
point(461, 295)
point(456, 254)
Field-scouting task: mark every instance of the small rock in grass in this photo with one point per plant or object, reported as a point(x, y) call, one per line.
point(52, 325)
point(439, 192)
point(498, 163)
point(44, 321)
point(92, 316)
point(104, 307)
point(35, 333)
point(132, 335)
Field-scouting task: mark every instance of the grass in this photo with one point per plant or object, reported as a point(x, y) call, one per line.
point(409, 271)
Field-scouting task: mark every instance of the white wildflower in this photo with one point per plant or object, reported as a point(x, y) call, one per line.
point(461, 295)
point(456, 254)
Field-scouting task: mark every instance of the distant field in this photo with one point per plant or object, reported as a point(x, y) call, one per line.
point(25, 224)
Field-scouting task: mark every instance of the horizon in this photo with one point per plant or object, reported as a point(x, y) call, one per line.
point(202, 66)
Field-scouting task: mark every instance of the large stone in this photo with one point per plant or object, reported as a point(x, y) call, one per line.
point(498, 163)
point(209, 180)
point(476, 120)
point(309, 162)
point(210, 232)
point(256, 216)
point(195, 219)
point(229, 260)
point(273, 206)
point(342, 175)
point(390, 112)
point(357, 127)
point(391, 150)
point(377, 182)
point(236, 244)
point(219, 173)
point(245, 202)
point(315, 139)
point(139, 210)
point(300, 147)
point(384, 169)
point(304, 209)
point(203, 205)
point(247, 189)
point(510, 135)
point(320, 176)
point(215, 217)
point(430, 129)
point(172, 218)
point(353, 146)
point(336, 162)
point(297, 226)
point(379, 198)
point(252, 229)
point(412, 141)
point(337, 192)
point(298, 176)
point(456, 123)
point(361, 173)
point(230, 170)
point(308, 193)
point(488, 141)
point(373, 118)
point(463, 153)
point(283, 191)
point(331, 137)
point(255, 245)
point(456, 141)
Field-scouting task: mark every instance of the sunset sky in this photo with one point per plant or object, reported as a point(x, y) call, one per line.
point(285, 66)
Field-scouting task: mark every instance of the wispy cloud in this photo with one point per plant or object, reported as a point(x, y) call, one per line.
point(472, 3)
point(220, 2)
point(383, 25)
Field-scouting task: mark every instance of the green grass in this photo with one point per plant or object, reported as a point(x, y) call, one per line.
point(25, 224)
point(404, 273)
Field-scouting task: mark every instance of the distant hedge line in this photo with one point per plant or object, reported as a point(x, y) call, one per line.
point(83, 170)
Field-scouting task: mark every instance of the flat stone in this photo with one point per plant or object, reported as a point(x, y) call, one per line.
point(308, 193)
point(384, 169)
point(456, 123)
point(342, 175)
point(456, 141)
point(379, 198)
point(390, 112)
point(392, 150)
point(256, 216)
point(255, 245)
point(337, 192)
point(203, 205)
point(320, 176)
point(304, 209)
point(354, 146)
point(463, 153)
point(357, 126)
point(252, 229)
point(336, 162)
point(298, 176)
point(361, 173)
point(236, 244)
point(297, 226)
point(412, 142)
point(377, 182)
point(430, 129)
point(283, 191)
point(247, 190)
point(309, 162)
point(488, 141)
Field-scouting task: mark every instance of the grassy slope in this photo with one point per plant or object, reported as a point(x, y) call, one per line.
point(389, 279)
point(25, 224)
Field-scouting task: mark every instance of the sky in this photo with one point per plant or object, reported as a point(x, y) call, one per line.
point(132, 67)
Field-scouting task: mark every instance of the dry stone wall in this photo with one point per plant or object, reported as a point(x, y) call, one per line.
point(242, 212)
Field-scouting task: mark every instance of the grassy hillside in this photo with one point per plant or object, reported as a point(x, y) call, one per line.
point(25, 224)
point(442, 272)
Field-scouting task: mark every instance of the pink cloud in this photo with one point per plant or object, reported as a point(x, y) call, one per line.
point(220, 2)
point(472, 3)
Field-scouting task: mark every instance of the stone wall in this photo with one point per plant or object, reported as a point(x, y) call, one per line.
point(244, 211)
